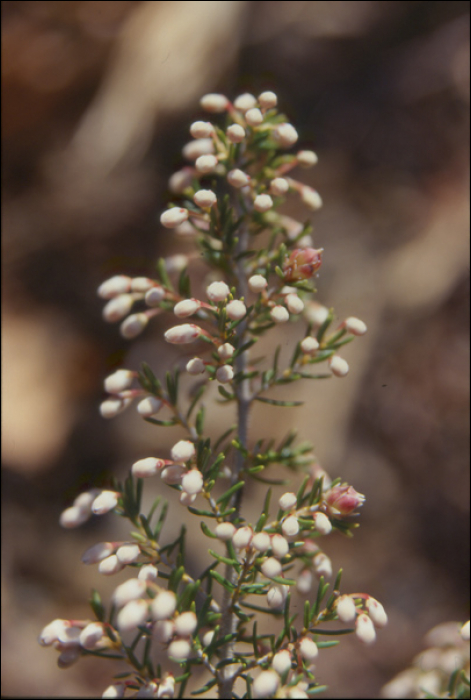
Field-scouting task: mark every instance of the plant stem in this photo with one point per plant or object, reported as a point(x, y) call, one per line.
point(244, 399)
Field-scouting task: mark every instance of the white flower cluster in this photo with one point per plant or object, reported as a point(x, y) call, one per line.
point(121, 293)
point(118, 385)
point(88, 503)
point(365, 620)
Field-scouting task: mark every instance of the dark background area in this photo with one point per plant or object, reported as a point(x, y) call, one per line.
point(97, 99)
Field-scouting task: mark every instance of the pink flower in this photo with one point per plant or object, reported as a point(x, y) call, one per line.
point(343, 500)
point(302, 264)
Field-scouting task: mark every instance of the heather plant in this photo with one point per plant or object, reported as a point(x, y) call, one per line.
point(164, 620)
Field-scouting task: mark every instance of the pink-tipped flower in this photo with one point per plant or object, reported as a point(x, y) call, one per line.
point(271, 567)
point(355, 326)
point(225, 531)
point(128, 553)
point(257, 283)
point(343, 499)
point(279, 186)
point(253, 117)
point(164, 605)
point(346, 609)
point(322, 565)
point(154, 296)
point(309, 345)
point(185, 624)
point(287, 501)
point(201, 130)
point(235, 133)
point(306, 159)
point(175, 216)
point(192, 483)
point(226, 351)
point(242, 537)
point(263, 202)
point(118, 307)
point(237, 178)
point(261, 541)
point(266, 684)
point(148, 572)
point(141, 285)
point(279, 314)
point(214, 103)
point(110, 565)
point(311, 197)
point(180, 335)
point(179, 649)
point(106, 501)
point(285, 134)
point(281, 662)
point(304, 581)
point(195, 366)
point(225, 374)
point(206, 164)
point(119, 381)
point(276, 596)
point(93, 636)
point(290, 526)
point(132, 589)
point(52, 631)
point(244, 102)
point(205, 198)
point(132, 615)
point(119, 284)
point(73, 517)
point(236, 310)
point(364, 629)
point(113, 406)
point(338, 366)
point(267, 100)
point(308, 649)
point(217, 291)
point(376, 612)
point(322, 523)
point(279, 546)
point(302, 264)
point(294, 303)
point(149, 406)
point(97, 552)
point(133, 325)
point(183, 451)
point(186, 307)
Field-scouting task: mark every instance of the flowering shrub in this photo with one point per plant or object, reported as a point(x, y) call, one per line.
point(227, 199)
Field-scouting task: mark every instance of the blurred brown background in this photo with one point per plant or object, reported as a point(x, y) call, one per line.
point(97, 99)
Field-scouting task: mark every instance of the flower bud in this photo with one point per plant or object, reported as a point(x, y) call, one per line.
point(279, 546)
point(214, 103)
point(279, 314)
point(132, 615)
point(164, 630)
point(242, 537)
point(197, 148)
point(51, 632)
point(261, 541)
point(119, 284)
point(181, 180)
point(187, 307)
point(355, 326)
point(271, 567)
point(376, 612)
point(276, 596)
point(201, 130)
point(364, 629)
point(195, 366)
point(304, 581)
point(182, 451)
point(192, 483)
point(109, 566)
point(308, 649)
point(179, 649)
point(309, 345)
point(185, 624)
point(181, 335)
point(236, 310)
point(263, 202)
point(265, 685)
point(257, 283)
point(322, 565)
point(132, 589)
point(322, 523)
point(133, 325)
point(164, 605)
point(237, 178)
point(175, 215)
point(285, 134)
point(205, 198)
point(225, 531)
point(114, 691)
point(166, 687)
point(112, 407)
point(245, 102)
point(343, 499)
point(149, 406)
point(294, 303)
point(217, 291)
point(316, 313)
point(338, 366)
point(281, 662)
point(306, 159)
point(206, 164)
point(302, 264)
point(128, 553)
point(290, 526)
point(279, 186)
point(73, 517)
point(311, 198)
point(154, 296)
point(118, 307)
point(253, 117)
point(224, 374)
point(172, 475)
point(118, 381)
point(141, 285)
point(235, 133)
point(97, 552)
point(346, 609)
point(226, 351)
point(267, 100)
point(287, 501)
point(148, 572)
point(106, 501)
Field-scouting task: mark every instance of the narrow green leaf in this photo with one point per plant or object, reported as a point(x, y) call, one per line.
point(207, 531)
point(199, 422)
point(226, 394)
point(97, 606)
point(202, 513)
point(276, 402)
point(195, 400)
point(302, 488)
point(146, 526)
point(224, 560)
point(226, 496)
point(210, 684)
point(163, 275)
point(161, 423)
point(225, 435)
point(222, 581)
